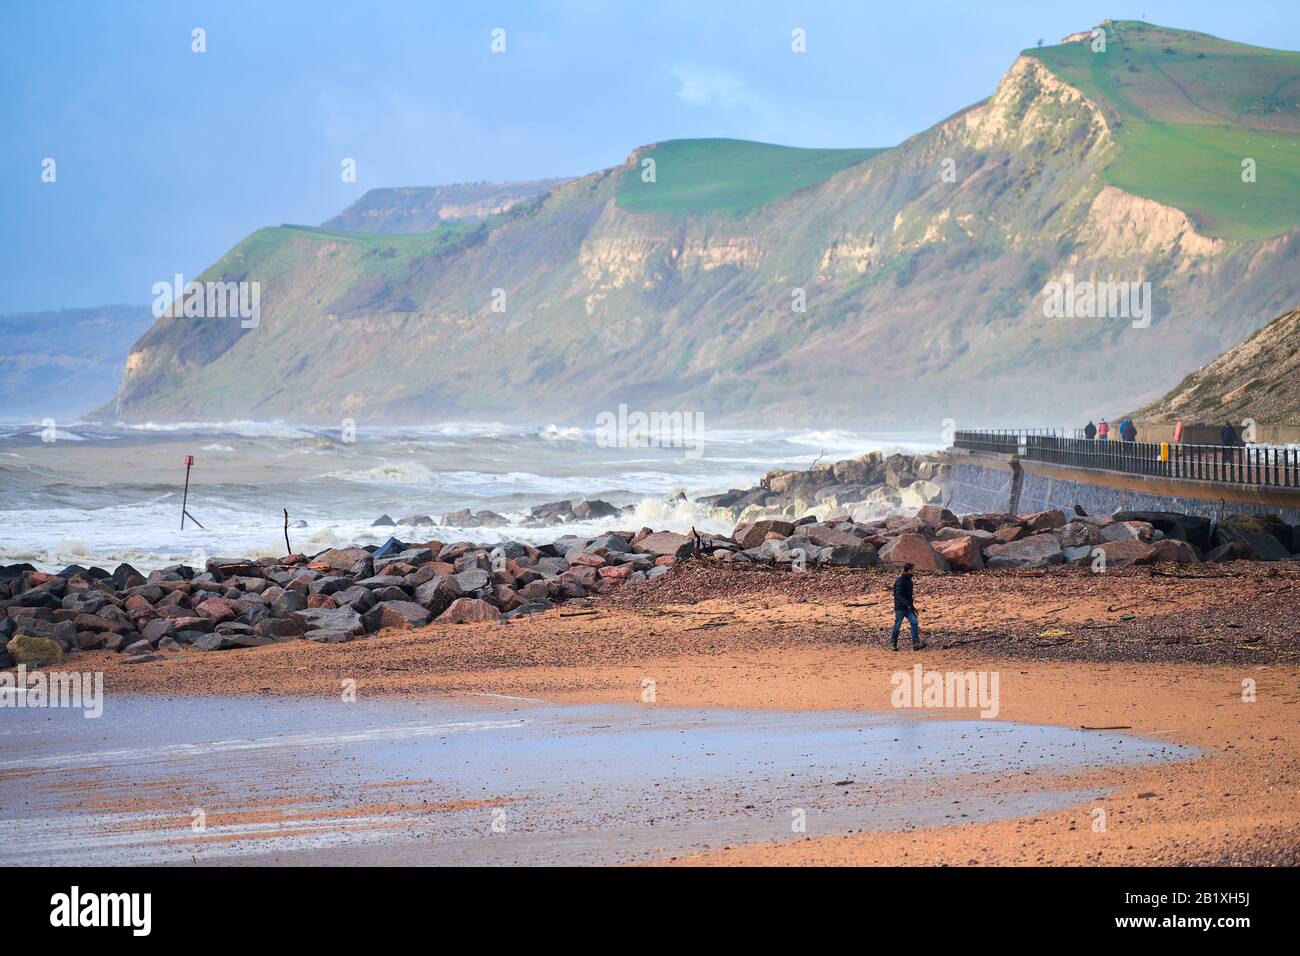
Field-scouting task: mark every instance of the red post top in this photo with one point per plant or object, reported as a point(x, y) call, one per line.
point(189, 460)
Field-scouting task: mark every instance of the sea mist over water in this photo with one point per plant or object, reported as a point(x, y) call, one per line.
point(103, 494)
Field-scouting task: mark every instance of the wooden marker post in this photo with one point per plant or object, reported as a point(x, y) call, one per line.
point(189, 463)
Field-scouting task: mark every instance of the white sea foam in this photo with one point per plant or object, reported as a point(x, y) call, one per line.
point(401, 473)
point(298, 741)
point(244, 428)
point(676, 514)
point(555, 433)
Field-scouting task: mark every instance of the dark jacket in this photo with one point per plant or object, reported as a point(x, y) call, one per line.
point(1228, 435)
point(1090, 432)
point(903, 593)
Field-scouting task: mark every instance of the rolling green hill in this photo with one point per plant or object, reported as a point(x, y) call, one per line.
point(762, 284)
point(375, 252)
point(1186, 109)
point(729, 176)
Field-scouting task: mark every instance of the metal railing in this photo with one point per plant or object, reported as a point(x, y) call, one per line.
point(1008, 441)
point(1271, 465)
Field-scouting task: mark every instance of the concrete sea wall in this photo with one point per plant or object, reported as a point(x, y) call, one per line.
point(985, 482)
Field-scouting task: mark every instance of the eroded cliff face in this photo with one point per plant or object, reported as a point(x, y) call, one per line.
point(1258, 379)
point(421, 208)
point(903, 290)
point(612, 262)
point(848, 255)
point(1121, 225)
point(1033, 106)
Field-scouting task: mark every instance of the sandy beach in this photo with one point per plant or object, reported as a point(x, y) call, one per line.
point(1170, 655)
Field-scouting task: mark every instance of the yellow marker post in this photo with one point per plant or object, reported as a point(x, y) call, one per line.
point(1164, 451)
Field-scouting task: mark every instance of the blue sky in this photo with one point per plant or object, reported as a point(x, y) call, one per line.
point(166, 158)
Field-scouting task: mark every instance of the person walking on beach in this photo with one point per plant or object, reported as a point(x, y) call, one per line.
point(904, 607)
point(1090, 430)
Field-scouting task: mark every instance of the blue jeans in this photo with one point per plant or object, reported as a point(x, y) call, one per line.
point(899, 614)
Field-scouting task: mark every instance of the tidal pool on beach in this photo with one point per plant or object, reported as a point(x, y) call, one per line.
point(482, 779)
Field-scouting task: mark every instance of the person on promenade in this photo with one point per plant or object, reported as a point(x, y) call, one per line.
point(1128, 431)
point(1229, 440)
point(905, 607)
point(1090, 430)
point(1103, 430)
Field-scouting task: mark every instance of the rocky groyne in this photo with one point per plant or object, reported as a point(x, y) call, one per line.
point(864, 488)
point(870, 486)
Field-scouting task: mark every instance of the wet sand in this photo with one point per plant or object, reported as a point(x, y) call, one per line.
point(478, 780)
point(1161, 656)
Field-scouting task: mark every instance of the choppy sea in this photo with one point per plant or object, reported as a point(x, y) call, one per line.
point(99, 494)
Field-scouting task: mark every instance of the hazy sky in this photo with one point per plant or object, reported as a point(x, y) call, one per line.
point(166, 157)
